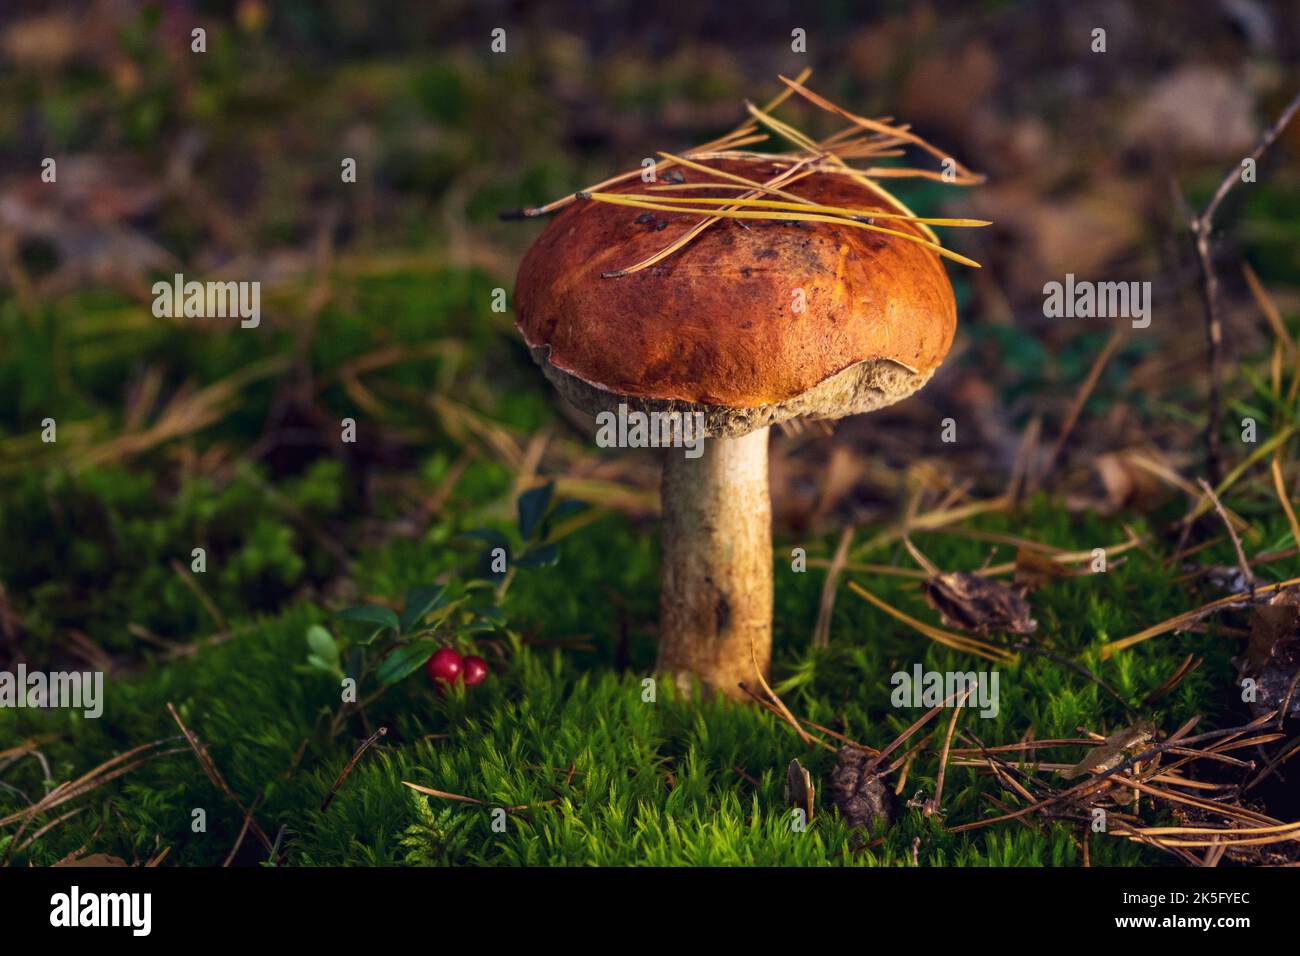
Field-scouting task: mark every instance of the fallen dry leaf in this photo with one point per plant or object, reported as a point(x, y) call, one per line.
point(1273, 654)
point(1111, 751)
point(978, 604)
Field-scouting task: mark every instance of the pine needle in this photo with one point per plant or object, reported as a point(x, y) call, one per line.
point(694, 231)
point(1188, 617)
point(730, 213)
point(968, 645)
point(804, 205)
point(863, 138)
point(964, 178)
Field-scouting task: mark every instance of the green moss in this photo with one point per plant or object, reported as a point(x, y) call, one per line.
point(663, 782)
point(652, 783)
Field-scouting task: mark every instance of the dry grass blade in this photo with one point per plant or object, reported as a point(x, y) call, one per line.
point(73, 855)
point(939, 518)
point(1175, 480)
point(157, 860)
point(1247, 827)
point(1065, 557)
point(192, 583)
point(185, 414)
point(731, 139)
point(1267, 448)
point(1273, 763)
point(1270, 311)
point(243, 832)
point(781, 128)
point(1177, 739)
point(1023, 746)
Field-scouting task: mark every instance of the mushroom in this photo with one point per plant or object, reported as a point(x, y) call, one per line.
point(751, 323)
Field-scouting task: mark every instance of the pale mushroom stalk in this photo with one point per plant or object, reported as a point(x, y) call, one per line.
point(715, 596)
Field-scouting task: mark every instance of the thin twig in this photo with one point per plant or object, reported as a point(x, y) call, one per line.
point(347, 769)
point(1201, 226)
point(1242, 563)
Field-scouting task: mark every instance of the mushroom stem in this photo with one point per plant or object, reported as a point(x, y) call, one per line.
point(715, 599)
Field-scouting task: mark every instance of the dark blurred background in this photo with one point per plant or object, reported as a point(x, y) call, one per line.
point(229, 160)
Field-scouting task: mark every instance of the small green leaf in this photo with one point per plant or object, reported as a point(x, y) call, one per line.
point(405, 660)
point(322, 645)
point(532, 506)
point(542, 556)
point(372, 614)
point(419, 602)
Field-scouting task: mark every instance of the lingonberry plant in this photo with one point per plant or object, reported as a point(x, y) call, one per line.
point(440, 623)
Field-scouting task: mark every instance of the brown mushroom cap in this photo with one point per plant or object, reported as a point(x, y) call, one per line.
point(711, 328)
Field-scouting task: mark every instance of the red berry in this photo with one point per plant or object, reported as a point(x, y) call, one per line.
point(476, 670)
point(445, 666)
